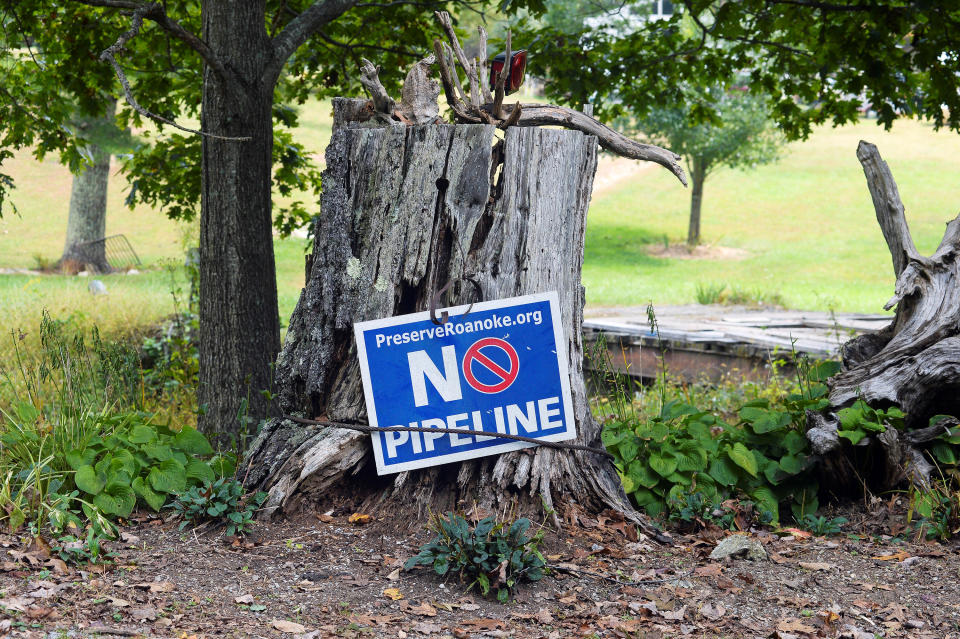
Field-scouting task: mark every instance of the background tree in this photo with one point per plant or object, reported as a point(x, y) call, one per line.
point(815, 61)
point(740, 135)
point(239, 66)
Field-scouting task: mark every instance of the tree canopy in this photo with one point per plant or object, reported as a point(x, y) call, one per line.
point(819, 61)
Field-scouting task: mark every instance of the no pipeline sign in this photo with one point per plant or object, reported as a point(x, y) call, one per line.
point(500, 369)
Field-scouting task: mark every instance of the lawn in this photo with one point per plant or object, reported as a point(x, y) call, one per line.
point(805, 226)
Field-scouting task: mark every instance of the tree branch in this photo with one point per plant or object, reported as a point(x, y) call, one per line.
point(155, 12)
point(109, 55)
point(300, 29)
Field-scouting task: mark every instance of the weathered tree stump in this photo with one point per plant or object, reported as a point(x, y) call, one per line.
point(406, 209)
point(914, 363)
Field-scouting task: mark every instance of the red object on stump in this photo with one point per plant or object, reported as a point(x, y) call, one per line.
point(518, 62)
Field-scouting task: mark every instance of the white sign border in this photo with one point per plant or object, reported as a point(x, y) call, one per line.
point(570, 432)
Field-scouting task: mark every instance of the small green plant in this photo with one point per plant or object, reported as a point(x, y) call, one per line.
point(821, 526)
point(710, 293)
point(492, 555)
point(86, 550)
point(220, 501)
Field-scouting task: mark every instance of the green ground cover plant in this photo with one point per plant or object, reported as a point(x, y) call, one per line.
point(80, 443)
point(492, 555)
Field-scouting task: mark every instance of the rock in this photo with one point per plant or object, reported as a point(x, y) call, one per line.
point(739, 546)
point(133, 271)
point(97, 287)
point(83, 274)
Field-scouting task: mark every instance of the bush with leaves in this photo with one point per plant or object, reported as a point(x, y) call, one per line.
point(492, 555)
point(220, 501)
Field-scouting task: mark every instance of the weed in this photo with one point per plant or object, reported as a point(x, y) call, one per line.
point(492, 555)
point(220, 501)
point(821, 526)
point(709, 293)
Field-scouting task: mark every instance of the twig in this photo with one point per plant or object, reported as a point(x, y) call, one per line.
point(619, 582)
point(108, 55)
point(444, 19)
point(370, 79)
point(501, 81)
point(482, 65)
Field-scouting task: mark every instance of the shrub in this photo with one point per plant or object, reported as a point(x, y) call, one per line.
point(493, 555)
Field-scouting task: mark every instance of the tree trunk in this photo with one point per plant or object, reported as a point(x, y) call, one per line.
point(914, 363)
point(698, 177)
point(239, 323)
point(87, 220)
point(404, 210)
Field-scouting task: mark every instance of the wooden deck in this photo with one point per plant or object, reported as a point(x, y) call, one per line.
point(708, 342)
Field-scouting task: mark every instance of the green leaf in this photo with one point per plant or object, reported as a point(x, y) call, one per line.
point(853, 435)
point(81, 457)
point(142, 434)
point(122, 496)
point(723, 472)
point(742, 457)
point(823, 371)
point(662, 465)
point(192, 442)
point(792, 464)
point(158, 451)
point(766, 501)
point(628, 449)
point(168, 477)
point(640, 474)
point(200, 472)
point(223, 466)
point(89, 480)
point(944, 453)
point(794, 442)
point(153, 499)
point(771, 421)
point(691, 457)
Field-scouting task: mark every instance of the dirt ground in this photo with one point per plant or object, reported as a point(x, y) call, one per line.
point(326, 577)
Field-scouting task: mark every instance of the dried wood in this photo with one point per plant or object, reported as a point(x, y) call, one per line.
point(914, 363)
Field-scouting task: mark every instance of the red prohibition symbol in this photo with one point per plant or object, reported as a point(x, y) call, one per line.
point(475, 355)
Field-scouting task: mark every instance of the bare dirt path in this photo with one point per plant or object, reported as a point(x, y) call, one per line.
point(333, 579)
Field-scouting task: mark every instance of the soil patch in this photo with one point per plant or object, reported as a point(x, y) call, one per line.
point(701, 252)
point(334, 579)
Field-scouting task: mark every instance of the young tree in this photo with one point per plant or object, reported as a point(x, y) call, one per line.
point(740, 135)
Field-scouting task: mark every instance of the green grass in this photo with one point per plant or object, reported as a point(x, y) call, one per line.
point(806, 223)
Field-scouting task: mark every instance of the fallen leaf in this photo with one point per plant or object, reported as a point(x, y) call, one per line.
point(713, 612)
point(426, 628)
point(359, 519)
point(815, 565)
point(393, 593)
point(795, 625)
point(59, 566)
point(710, 570)
point(484, 624)
point(796, 532)
point(424, 609)
point(244, 599)
point(289, 627)
point(41, 612)
point(118, 603)
point(544, 616)
point(898, 556)
point(162, 586)
point(673, 615)
point(146, 613)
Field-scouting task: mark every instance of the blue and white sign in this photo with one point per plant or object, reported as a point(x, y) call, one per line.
point(500, 369)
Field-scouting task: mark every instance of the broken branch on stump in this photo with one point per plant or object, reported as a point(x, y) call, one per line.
point(370, 79)
point(914, 363)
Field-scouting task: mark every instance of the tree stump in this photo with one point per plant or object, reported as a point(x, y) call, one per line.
point(914, 363)
point(405, 209)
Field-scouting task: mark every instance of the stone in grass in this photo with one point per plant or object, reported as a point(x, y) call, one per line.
point(739, 546)
point(97, 287)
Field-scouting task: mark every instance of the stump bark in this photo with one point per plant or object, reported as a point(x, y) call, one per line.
point(405, 209)
point(914, 363)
